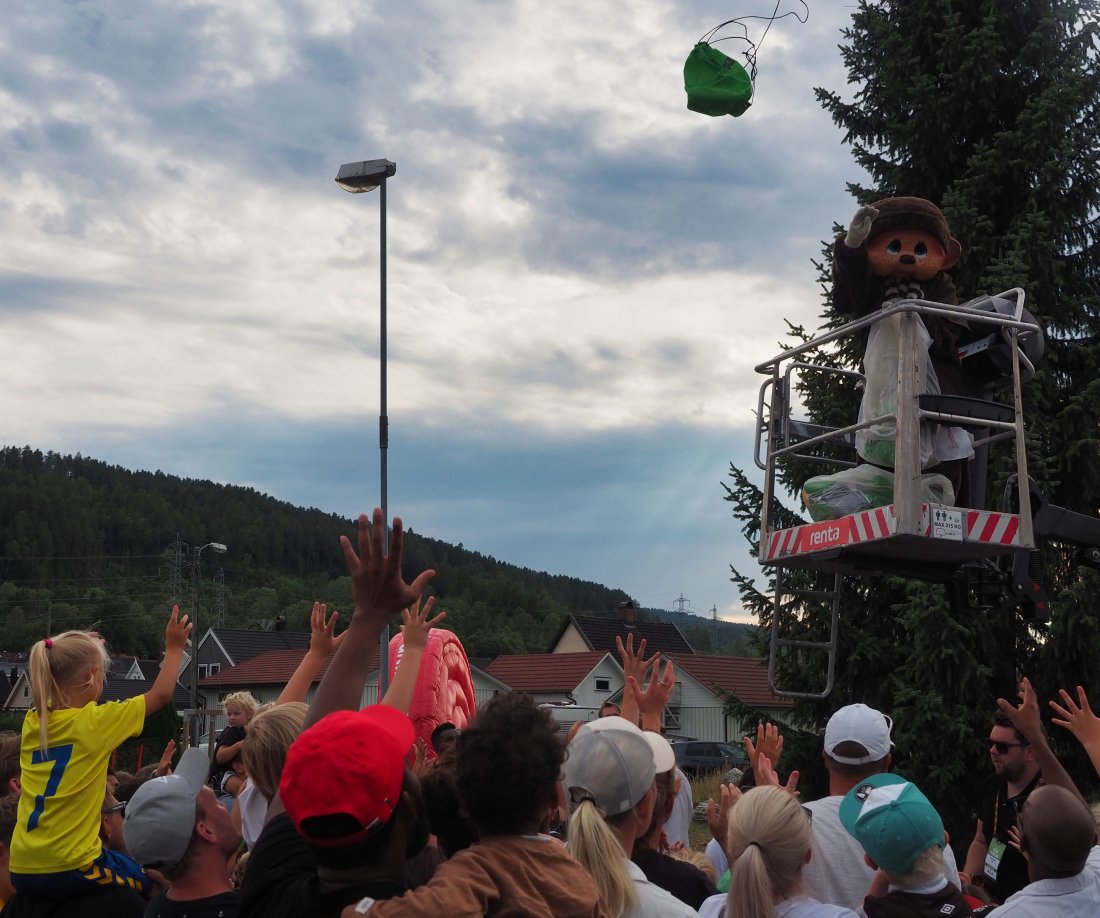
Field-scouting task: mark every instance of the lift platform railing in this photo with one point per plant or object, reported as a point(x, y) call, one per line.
point(906, 521)
point(774, 414)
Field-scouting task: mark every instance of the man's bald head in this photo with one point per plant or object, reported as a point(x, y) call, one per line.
point(1058, 833)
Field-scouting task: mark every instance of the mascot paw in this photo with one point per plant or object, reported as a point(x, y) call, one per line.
point(860, 227)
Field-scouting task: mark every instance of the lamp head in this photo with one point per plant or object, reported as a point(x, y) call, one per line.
point(218, 547)
point(365, 176)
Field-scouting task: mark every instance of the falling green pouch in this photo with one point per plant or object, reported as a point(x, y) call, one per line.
point(716, 84)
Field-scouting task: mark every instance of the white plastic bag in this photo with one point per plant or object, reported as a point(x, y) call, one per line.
point(880, 393)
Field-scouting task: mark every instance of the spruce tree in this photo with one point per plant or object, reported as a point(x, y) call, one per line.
point(990, 110)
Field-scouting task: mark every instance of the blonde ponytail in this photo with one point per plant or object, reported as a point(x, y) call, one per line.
point(597, 847)
point(769, 836)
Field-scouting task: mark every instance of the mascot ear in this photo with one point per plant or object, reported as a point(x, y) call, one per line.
point(953, 254)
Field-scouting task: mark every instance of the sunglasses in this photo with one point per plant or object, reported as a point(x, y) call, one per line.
point(114, 808)
point(1003, 748)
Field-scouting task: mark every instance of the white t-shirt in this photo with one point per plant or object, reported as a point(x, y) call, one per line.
point(1073, 897)
point(837, 872)
point(654, 902)
point(717, 857)
point(253, 806)
point(680, 821)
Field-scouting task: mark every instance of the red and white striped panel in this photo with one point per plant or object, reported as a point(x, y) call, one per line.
point(779, 544)
point(877, 523)
point(993, 528)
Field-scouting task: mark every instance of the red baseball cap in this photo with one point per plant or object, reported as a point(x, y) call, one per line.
point(349, 763)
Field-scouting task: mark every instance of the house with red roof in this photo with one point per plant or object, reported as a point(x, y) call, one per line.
point(573, 685)
point(697, 708)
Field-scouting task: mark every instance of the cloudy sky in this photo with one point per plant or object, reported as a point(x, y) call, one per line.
point(582, 272)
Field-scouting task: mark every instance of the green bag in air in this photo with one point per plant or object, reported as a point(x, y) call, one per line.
point(716, 84)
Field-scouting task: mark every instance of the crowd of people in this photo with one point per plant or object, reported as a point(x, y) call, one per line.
point(323, 809)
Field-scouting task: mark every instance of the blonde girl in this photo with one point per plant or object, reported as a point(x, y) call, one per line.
point(66, 742)
point(768, 844)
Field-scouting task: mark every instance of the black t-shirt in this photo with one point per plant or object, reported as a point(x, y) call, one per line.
point(113, 902)
point(227, 737)
point(998, 814)
point(685, 881)
point(280, 880)
point(223, 905)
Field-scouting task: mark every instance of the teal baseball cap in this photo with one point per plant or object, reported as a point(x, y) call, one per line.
point(893, 821)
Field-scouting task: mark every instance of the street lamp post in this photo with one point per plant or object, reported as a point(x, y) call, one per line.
point(358, 178)
point(221, 550)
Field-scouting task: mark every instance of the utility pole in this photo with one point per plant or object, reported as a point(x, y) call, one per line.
point(682, 605)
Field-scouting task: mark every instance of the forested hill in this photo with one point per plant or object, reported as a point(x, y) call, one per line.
point(83, 542)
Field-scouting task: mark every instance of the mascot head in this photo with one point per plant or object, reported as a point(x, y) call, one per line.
point(910, 239)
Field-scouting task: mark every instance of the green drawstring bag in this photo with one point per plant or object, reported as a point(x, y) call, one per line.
point(716, 84)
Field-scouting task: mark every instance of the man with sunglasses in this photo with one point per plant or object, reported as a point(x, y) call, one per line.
point(991, 862)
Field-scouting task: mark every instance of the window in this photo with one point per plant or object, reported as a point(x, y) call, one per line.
point(603, 684)
point(202, 670)
point(214, 668)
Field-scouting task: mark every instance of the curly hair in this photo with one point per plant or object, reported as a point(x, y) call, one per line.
point(509, 761)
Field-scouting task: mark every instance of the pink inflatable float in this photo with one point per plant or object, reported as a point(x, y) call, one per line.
point(444, 689)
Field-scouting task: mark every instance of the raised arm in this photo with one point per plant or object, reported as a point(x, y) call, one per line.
point(380, 593)
point(175, 639)
point(416, 628)
point(322, 644)
point(634, 665)
point(1025, 718)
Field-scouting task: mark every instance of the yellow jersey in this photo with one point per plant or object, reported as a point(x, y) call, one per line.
point(57, 828)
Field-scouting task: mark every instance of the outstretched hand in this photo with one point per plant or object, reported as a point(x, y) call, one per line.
point(177, 631)
point(417, 624)
point(651, 702)
point(164, 766)
point(1077, 717)
point(1025, 716)
point(766, 774)
point(635, 666)
point(718, 814)
point(322, 640)
point(377, 584)
point(769, 743)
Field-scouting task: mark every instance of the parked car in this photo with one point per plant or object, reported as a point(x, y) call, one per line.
point(696, 758)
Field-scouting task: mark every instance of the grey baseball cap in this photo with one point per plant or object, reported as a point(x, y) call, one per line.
point(612, 768)
point(160, 817)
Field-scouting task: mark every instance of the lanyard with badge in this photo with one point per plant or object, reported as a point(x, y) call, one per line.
point(996, 851)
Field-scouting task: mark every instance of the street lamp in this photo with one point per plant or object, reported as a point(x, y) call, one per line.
point(221, 550)
point(357, 178)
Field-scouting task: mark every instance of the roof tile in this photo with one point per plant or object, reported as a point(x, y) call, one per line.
point(600, 632)
point(272, 668)
point(544, 672)
point(245, 643)
point(746, 677)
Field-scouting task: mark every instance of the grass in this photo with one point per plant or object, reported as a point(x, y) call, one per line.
point(704, 787)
